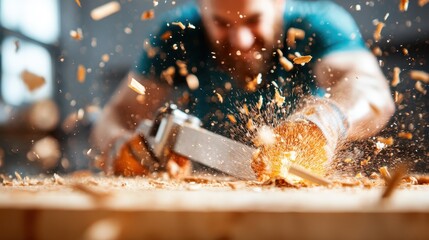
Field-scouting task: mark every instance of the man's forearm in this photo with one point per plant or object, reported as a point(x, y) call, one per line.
point(356, 84)
point(366, 101)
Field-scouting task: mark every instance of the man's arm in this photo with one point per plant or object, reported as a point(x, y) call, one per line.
point(123, 113)
point(360, 90)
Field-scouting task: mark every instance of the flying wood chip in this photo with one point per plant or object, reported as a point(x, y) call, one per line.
point(192, 81)
point(423, 2)
point(81, 73)
point(292, 35)
point(219, 97)
point(146, 15)
point(405, 135)
point(78, 3)
point(302, 59)
point(396, 79)
point(403, 5)
point(180, 24)
point(137, 87)
point(191, 26)
point(105, 10)
point(377, 32)
point(76, 34)
point(419, 76)
point(231, 118)
point(32, 81)
point(259, 103)
point(279, 99)
point(166, 35)
point(286, 64)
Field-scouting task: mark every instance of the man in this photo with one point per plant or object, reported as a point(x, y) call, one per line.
point(237, 50)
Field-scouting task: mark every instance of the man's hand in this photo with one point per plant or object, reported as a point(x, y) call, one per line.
point(129, 156)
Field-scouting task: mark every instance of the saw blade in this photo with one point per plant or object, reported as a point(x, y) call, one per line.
point(215, 151)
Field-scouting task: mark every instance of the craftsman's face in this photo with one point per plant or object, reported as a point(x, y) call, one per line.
point(244, 33)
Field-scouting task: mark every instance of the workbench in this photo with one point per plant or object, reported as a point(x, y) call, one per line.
point(141, 208)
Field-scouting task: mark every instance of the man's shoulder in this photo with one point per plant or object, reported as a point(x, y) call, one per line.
point(329, 25)
point(310, 10)
point(186, 13)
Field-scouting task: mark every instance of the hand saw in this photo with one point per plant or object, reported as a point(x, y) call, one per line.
point(174, 131)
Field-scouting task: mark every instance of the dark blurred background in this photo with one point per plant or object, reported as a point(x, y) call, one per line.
point(46, 130)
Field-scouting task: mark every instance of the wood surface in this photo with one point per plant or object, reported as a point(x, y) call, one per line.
point(141, 208)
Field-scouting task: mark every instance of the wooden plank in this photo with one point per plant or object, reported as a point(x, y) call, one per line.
point(143, 208)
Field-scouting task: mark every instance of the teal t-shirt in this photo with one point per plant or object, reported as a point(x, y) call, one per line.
point(328, 28)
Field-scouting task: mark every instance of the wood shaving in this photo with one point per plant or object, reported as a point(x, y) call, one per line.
point(423, 179)
point(259, 103)
point(405, 51)
point(245, 109)
point(403, 5)
point(231, 118)
point(180, 24)
point(253, 84)
point(168, 75)
point(377, 32)
point(410, 180)
point(423, 2)
point(419, 87)
point(155, 3)
point(32, 81)
point(399, 97)
point(81, 73)
point(191, 26)
point(419, 76)
point(302, 59)
point(377, 51)
point(396, 79)
point(166, 35)
point(394, 182)
point(279, 182)
point(385, 174)
point(78, 3)
point(137, 87)
point(105, 57)
point(18, 176)
point(250, 125)
point(105, 10)
point(146, 15)
point(58, 179)
point(178, 167)
point(219, 97)
point(374, 175)
point(192, 81)
point(286, 64)
point(236, 185)
point(279, 99)
point(76, 34)
point(405, 135)
point(365, 162)
point(292, 35)
point(388, 141)
point(183, 69)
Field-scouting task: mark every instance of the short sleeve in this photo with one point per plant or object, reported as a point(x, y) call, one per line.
point(328, 27)
point(334, 29)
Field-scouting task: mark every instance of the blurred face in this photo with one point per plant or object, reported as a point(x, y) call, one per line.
point(244, 34)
